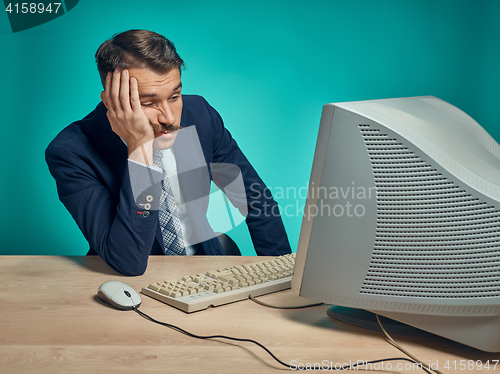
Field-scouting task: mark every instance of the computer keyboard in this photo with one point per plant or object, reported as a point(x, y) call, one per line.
point(223, 286)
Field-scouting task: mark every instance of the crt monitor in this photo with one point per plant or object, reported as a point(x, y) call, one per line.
point(402, 217)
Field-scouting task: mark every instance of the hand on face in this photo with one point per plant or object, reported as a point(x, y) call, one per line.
point(125, 114)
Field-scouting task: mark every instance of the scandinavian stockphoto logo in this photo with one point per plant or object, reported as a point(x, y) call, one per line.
point(25, 15)
point(332, 201)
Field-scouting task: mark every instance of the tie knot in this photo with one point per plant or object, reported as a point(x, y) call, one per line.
point(157, 158)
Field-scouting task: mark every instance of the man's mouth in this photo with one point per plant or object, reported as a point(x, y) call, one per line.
point(167, 130)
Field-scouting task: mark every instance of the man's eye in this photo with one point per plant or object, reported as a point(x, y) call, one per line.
point(147, 104)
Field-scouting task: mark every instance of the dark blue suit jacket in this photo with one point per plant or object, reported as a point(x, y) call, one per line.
point(89, 163)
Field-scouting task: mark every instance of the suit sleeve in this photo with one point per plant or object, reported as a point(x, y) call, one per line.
point(119, 230)
point(263, 217)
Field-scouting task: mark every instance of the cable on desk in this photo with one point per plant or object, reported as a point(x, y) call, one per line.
point(396, 345)
point(282, 307)
point(389, 338)
point(347, 367)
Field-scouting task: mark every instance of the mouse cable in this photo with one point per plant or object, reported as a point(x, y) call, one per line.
point(348, 367)
point(390, 340)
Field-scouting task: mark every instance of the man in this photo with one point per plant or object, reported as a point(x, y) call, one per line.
point(109, 165)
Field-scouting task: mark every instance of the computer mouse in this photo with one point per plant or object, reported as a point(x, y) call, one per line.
point(119, 295)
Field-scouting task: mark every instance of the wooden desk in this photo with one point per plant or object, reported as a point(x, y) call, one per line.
point(52, 322)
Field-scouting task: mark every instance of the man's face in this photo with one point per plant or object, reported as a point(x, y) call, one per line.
point(161, 101)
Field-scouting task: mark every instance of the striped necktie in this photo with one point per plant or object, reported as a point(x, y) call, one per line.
point(170, 224)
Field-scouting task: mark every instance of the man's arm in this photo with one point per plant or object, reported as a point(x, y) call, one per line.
point(116, 227)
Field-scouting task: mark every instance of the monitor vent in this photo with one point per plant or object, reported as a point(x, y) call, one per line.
point(434, 238)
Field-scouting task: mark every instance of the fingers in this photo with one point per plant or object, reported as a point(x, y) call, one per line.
point(106, 95)
point(125, 91)
point(117, 92)
point(134, 95)
point(115, 89)
point(125, 113)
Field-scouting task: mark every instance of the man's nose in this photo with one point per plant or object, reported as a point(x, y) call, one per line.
point(166, 115)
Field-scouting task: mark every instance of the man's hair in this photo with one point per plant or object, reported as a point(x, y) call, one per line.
point(137, 49)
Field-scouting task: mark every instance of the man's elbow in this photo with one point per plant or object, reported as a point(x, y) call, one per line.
point(135, 272)
point(131, 269)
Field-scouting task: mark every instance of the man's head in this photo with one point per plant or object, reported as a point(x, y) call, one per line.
point(152, 61)
point(141, 49)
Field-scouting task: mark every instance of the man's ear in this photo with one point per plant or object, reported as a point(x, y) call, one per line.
point(103, 99)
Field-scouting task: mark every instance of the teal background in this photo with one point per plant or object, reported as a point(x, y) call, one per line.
point(266, 66)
